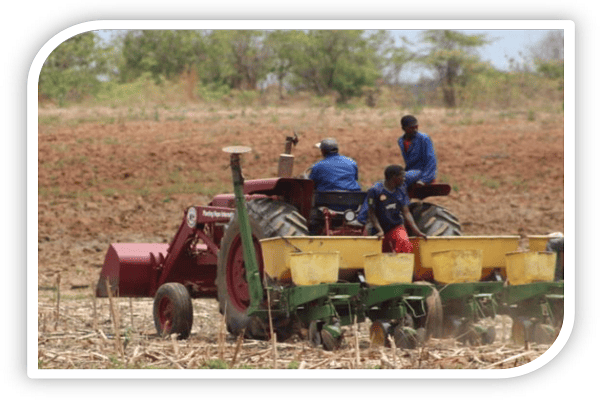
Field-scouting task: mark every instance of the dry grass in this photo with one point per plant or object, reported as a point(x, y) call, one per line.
point(74, 336)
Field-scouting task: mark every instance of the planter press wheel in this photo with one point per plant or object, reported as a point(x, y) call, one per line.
point(544, 333)
point(330, 343)
point(405, 338)
point(489, 335)
point(476, 334)
point(521, 330)
point(527, 330)
point(318, 336)
point(268, 218)
point(172, 310)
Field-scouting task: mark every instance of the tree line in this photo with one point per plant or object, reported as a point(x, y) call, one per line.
point(344, 62)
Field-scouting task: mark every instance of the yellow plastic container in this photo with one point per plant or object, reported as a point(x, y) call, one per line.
point(538, 242)
point(314, 268)
point(531, 266)
point(276, 251)
point(456, 266)
point(389, 268)
point(494, 250)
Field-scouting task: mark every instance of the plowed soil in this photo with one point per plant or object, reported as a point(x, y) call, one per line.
point(111, 175)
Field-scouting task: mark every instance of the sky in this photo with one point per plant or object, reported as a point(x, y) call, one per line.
point(505, 44)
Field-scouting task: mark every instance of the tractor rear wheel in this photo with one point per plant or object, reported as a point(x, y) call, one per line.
point(268, 218)
point(172, 311)
point(434, 220)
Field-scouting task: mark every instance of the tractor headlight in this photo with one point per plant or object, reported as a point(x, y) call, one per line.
point(192, 217)
point(349, 215)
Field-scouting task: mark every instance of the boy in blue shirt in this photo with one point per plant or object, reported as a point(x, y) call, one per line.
point(386, 206)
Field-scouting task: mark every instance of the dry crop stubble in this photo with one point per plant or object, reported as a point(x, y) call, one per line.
point(82, 339)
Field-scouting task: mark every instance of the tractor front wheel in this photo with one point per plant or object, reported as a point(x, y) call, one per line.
point(173, 312)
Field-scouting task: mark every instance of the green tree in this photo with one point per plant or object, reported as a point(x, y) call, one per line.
point(548, 55)
point(238, 59)
point(215, 69)
point(72, 69)
point(341, 61)
point(452, 56)
point(391, 56)
point(163, 53)
point(283, 47)
point(550, 48)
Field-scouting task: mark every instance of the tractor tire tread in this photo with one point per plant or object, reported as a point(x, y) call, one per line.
point(434, 220)
point(268, 218)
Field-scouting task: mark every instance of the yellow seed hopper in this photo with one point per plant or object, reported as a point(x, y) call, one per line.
point(353, 249)
point(493, 248)
point(538, 242)
point(278, 251)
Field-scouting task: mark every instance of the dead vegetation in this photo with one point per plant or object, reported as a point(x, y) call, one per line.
point(81, 332)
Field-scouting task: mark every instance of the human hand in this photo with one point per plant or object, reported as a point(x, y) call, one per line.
point(421, 235)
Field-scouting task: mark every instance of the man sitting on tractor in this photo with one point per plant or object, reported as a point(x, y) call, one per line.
point(417, 151)
point(334, 171)
point(386, 206)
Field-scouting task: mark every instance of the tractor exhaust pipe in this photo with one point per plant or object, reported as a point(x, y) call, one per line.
point(286, 160)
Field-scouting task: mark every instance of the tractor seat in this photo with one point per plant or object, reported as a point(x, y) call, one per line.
point(340, 201)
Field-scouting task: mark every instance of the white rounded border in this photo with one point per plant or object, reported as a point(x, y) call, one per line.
point(569, 197)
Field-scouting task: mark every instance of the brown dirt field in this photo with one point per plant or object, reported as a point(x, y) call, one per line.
point(110, 175)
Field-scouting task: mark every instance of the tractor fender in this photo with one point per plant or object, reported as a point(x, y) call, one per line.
point(294, 191)
point(423, 191)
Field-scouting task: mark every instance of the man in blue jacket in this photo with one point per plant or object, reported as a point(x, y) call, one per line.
point(417, 151)
point(334, 171)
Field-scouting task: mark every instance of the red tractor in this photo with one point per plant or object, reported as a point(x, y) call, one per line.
point(206, 256)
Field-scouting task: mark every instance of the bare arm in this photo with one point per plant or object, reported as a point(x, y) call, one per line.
point(375, 222)
point(411, 222)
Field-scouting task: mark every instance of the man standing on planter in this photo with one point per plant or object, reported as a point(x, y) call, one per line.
point(386, 206)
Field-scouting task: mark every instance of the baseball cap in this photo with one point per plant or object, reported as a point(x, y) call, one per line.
point(328, 145)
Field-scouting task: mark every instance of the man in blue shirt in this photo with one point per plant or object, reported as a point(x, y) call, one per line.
point(334, 172)
point(386, 206)
point(417, 151)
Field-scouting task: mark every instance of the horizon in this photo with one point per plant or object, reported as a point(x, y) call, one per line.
point(506, 46)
